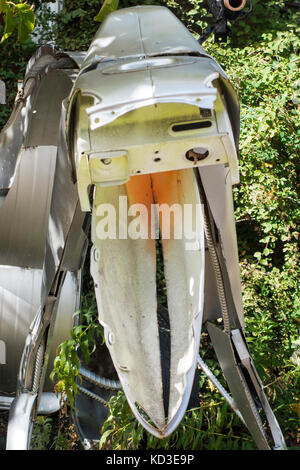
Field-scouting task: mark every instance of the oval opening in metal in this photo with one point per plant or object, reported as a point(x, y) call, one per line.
point(190, 126)
point(196, 154)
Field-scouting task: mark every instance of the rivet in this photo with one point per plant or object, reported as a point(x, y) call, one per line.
point(96, 255)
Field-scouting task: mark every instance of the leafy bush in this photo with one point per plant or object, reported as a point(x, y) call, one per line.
point(211, 426)
point(260, 57)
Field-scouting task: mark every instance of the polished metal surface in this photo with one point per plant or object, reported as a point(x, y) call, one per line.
point(38, 77)
point(65, 221)
point(24, 214)
point(48, 405)
point(46, 331)
point(19, 301)
point(147, 115)
point(25, 209)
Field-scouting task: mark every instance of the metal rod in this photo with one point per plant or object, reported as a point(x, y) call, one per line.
point(99, 380)
point(220, 387)
point(92, 395)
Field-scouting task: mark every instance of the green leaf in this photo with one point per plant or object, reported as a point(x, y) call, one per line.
point(108, 7)
point(52, 375)
point(104, 437)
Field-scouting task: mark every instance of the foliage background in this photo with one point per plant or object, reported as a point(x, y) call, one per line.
point(261, 59)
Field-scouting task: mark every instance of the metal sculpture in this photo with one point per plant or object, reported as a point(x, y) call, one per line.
point(150, 122)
